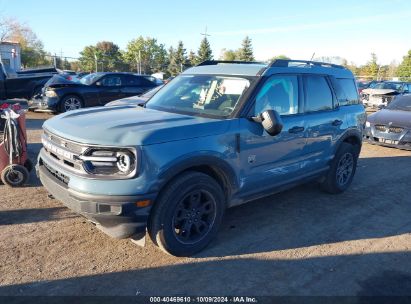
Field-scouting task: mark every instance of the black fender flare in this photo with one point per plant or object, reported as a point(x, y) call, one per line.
point(225, 172)
point(354, 133)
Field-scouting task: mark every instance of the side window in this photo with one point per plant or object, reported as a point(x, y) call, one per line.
point(131, 81)
point(318, 94)
point(348, 94)
point(111, 81)
point(279, 93)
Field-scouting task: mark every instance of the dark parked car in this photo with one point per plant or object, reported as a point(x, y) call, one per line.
point(24, 84)
point(392, 125)
point(97, 89)
point(135, 100)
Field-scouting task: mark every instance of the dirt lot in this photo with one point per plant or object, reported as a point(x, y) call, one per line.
point(300, 242)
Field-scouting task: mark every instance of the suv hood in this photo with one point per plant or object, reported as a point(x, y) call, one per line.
point(58, 81)
point(386, 116)
point(125, 126)
point(378, 91)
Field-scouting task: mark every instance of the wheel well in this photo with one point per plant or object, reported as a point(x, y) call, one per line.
point(214, 172)
point(353, 140)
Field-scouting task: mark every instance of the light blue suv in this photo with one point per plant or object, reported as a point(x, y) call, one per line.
point(219, 135)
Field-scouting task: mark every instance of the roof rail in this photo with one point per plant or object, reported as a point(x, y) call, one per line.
point(306, 63)
point(215, 62)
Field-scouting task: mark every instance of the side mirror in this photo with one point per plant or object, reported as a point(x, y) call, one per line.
point(99, 84)
point(271, 122)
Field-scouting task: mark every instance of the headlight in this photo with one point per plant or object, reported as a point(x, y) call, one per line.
point(110, 162)
point(51, 93)
point(367, 124)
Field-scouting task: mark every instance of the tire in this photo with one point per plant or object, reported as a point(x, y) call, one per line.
point(71, 102)
point(28, 164)
point(187, 214)
point(14, 175)
point(342, 169)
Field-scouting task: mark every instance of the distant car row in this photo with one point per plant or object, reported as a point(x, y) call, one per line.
point(379, 94)
point(62, 94)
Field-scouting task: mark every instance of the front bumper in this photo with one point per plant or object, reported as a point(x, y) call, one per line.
point(387, 139)
point(117, 216)
point(44, 104)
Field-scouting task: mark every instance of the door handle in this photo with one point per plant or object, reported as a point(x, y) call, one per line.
point(337, 122)
point(296, 129)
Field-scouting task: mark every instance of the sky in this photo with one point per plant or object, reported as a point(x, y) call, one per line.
point(351, 29)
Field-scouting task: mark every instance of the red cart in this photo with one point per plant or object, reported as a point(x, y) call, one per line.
point(14, 163)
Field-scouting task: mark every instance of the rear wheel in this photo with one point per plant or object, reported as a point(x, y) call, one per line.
point(71, 102)
point(342, 169)
point(187, 214)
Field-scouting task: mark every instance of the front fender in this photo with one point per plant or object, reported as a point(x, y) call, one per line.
point(213, 161)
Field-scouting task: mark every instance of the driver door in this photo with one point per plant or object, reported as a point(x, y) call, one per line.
point(110, 88)
point(270, 161)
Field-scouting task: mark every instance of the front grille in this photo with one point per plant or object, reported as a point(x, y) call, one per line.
point(64, 151)
point(396, 130)
point(388, 129)
point(69, 145)
point(380, 128)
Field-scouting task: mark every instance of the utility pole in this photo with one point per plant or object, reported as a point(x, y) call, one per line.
point(205, 33)
point(139, 60)
point(95, 58)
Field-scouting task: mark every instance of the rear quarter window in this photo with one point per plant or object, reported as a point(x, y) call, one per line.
point(318, 96)
point(346, 91)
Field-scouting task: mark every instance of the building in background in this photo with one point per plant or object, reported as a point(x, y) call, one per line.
point(10, 55)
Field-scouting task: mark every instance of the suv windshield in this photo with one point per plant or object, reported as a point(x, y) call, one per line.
point(402, 103)
point(200, 94)
point(89, 79)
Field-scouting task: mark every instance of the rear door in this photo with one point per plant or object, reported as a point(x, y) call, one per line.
point(110, 88)
point(324, 121)
point(135, 85)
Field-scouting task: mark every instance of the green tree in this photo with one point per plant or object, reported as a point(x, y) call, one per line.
point(146, 53)
point(204, 52)
point(280, 57)
point(177, 59)
point(228, 55)
point(370, 70)
point(104, 56)
point(109, 55)
point(404, 69)
point(245, 53)
point(87, 60)
point(192, 59)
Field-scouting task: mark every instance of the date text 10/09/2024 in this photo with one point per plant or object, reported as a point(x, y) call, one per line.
point(203, 300)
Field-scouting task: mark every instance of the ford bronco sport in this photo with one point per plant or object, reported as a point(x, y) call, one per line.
point(219, 135)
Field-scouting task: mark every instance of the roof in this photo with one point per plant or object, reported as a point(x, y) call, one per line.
point(280, 66)
point(241, 69)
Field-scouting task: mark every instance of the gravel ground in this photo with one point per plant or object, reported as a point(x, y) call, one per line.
point(300, 242)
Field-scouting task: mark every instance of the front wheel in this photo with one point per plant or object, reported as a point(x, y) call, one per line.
point(187, 214)
point(342, 169)
point(70, 103)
